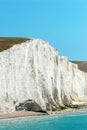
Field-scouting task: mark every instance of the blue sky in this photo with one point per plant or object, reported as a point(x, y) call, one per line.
point(61, 22)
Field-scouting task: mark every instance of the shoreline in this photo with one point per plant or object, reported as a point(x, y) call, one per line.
point(32, 113)
point(20, 114)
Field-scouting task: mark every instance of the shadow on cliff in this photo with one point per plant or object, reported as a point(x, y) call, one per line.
point(29, 105)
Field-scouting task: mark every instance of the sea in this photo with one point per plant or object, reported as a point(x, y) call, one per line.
point(76, 120)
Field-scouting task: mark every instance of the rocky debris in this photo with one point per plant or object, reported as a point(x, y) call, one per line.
point(29, 105)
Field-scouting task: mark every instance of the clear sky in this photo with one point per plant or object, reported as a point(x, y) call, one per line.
point(61, 22)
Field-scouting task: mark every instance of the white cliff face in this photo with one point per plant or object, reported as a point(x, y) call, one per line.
point(33, 70)
point(73, 83)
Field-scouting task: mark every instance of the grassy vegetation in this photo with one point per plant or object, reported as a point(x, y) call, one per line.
point(7, 42)
point(82, 65)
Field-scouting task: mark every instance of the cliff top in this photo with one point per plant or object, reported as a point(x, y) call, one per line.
point(82, 65)
point(7, 42)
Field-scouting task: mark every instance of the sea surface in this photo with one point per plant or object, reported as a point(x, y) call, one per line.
point(76, 120)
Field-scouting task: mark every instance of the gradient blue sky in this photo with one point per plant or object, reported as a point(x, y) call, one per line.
point(61, 22)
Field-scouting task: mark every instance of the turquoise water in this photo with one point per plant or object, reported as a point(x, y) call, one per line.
point(68, 121)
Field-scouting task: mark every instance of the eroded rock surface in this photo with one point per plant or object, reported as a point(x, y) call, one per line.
point(29, 105)
point(33, 70)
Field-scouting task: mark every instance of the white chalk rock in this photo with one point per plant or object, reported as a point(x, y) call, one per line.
point(33, 70)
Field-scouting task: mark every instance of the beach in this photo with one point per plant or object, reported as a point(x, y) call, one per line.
point(32, 113)
point(20, 114)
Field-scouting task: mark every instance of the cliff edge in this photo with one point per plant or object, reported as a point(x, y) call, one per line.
point(34, 77)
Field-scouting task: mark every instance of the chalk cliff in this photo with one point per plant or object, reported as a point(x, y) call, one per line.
point(35, 77)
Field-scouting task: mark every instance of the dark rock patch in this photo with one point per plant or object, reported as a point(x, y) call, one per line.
point(29, 105)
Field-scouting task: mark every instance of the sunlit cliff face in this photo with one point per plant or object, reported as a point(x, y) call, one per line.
point(32, 70)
